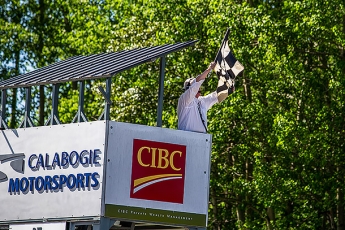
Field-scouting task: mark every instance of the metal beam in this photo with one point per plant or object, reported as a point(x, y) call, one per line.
point(27, 122)
point(80, 116)
point(161, 91)
point(107, 106)
point(106, 94)
point(3, 124)
point(54, 115)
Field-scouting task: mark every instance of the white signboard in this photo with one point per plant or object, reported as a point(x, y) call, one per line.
point(157, 175)
point(39, 226)
point(52, 171)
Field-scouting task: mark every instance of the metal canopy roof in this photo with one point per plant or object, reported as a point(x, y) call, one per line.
point(95, 66)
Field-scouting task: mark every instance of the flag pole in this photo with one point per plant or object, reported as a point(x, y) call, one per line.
point(226, 34)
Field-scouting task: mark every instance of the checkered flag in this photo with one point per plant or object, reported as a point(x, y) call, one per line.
point(227, 68)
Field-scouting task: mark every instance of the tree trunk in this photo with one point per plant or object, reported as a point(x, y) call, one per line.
point(288, 212)
point(14, 92)
point(13, 121)
point(340, 193)
point(340, 209)
point(249, 164)
point(240, 211)
point(271, 217)
point(249, 177)
point(247, 90)
point(214, 209)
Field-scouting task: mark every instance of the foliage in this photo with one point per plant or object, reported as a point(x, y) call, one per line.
point(278, 152)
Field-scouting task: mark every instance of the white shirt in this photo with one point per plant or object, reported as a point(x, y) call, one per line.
point(187, 108)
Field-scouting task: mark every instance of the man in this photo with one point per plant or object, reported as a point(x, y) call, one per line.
point(192, 107)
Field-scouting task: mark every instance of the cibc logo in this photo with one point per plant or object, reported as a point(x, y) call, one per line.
point(158, 171)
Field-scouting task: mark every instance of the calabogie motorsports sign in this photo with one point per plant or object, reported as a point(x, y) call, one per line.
point(51, 171)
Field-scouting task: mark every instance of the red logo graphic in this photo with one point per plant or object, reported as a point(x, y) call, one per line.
point(158, 171)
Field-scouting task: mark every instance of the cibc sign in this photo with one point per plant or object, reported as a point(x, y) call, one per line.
point(157, 175)
point(158, 171)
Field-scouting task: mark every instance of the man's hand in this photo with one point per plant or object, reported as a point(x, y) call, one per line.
point(211, 66)
point(204, 74)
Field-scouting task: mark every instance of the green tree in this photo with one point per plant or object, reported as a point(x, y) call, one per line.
point(278, 152)
point(12, 48)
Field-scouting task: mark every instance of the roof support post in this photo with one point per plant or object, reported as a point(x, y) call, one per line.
point(106, 94)
point(80, 116)
point(55, 99)
point(3, 124)
point(161, 91)
point(54, 115)
point(27, 120)
point(107, 105)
